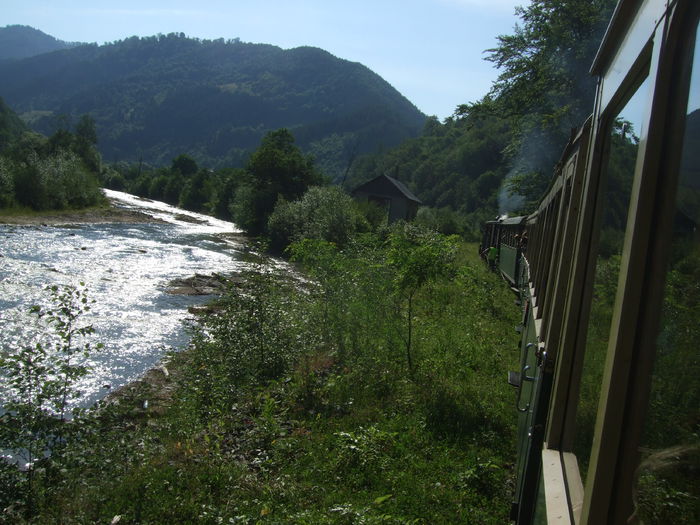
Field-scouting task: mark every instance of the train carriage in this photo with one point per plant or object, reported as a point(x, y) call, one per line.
point(608, 391)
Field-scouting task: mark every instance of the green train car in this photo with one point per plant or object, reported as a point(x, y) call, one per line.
point(608, 390)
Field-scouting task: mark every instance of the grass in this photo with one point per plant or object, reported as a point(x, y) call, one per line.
point(341, 433)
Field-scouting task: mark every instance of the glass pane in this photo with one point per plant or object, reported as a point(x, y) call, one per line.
point(668, 482)
point(624, 139)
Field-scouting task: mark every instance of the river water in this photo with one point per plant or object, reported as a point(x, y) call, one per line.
point(126, 269)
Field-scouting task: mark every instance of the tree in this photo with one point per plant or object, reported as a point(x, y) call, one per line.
point(544, 87)
point(86, 131)
point(195, 194)
point(416, 257)
point(545, 63)
point(276, 169)
point(225, 190)
point(185, 165)
point(40, 381)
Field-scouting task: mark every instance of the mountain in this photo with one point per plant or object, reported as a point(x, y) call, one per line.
point(18, 42)
point(154, 98)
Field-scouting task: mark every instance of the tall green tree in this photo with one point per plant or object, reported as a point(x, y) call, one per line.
point(196, 193)
point(544, 86)
point(185, 165)
point(11, 126)
point(545, 63)
point(276, 169)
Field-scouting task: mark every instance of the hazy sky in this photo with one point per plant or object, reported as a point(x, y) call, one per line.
point(430, 50)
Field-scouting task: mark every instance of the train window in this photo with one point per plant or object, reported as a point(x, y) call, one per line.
point(615, 199)
point(667, 489)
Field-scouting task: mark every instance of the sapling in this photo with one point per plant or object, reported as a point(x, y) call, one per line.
point(40, 379)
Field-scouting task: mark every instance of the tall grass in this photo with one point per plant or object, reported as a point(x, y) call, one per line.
point(297, 404)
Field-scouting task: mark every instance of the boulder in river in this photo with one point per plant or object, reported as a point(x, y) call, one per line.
point(214, 284)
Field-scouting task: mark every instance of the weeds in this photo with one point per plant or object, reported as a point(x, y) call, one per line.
point(298, 404)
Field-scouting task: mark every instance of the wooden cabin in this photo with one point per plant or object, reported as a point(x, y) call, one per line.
point(390, 194)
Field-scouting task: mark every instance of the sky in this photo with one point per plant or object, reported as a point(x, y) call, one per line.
point(432, 51)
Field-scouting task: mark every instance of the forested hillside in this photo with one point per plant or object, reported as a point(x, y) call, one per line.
point(508, 142)
point(23, 41)
point(457, 166)
point(11, 126)
point(155, 98)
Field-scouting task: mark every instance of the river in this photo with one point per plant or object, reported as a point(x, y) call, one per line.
point(126, 269)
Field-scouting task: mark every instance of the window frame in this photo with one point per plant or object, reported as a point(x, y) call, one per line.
point(607, 497)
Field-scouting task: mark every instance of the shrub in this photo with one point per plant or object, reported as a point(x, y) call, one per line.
point(325, 213)
point(40, 382)
point(7, 185)
point(55, 182)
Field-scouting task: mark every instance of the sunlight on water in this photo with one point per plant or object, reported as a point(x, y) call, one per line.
point(126, 268)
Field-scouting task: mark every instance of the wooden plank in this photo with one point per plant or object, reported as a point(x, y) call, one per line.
point(555, 488)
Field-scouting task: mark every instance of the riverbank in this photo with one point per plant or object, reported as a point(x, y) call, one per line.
point(109, 213)
point(299, 406)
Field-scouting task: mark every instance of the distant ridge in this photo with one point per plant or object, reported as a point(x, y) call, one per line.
point(17, 42)
point(156, 97)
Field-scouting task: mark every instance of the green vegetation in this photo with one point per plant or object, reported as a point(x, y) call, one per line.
point(216, 100)
point(456, 168)
point(544, 87)
point(18, 42)
point(53, 173)
point(373, 393)
point(322, 213)
point(277, 170)
point(40, 379)
point(507, 143)
point(297, 403)
point(154, 98)
point(182, 184)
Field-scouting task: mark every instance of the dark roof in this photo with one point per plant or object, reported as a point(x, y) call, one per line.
point(374, 185)
point(514, 220)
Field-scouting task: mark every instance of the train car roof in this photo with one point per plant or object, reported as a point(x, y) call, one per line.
point(508, 220)
point(514, 220)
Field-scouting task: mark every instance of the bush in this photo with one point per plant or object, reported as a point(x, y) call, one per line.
point(57, 181)
point(443, 220)
point(256, 336)
point(7, 185)
point(40, 382)
point(324, 213)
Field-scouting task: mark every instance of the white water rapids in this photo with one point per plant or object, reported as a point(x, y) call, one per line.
point(126, 269)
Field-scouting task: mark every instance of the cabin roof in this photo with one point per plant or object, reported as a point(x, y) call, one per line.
point(378, 185)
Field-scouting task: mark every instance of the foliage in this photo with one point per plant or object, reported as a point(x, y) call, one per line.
point(249, 341)
point(443, 220)
point(55, 182)
point(277, 169)
point(455, 167)
point(153, 98)
point(544, 87)
point(11, 126)
point(325, 213)
point(531, 186)
point(293, 406)
point(40, 384)
point(416, 257)
point(55, 173)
